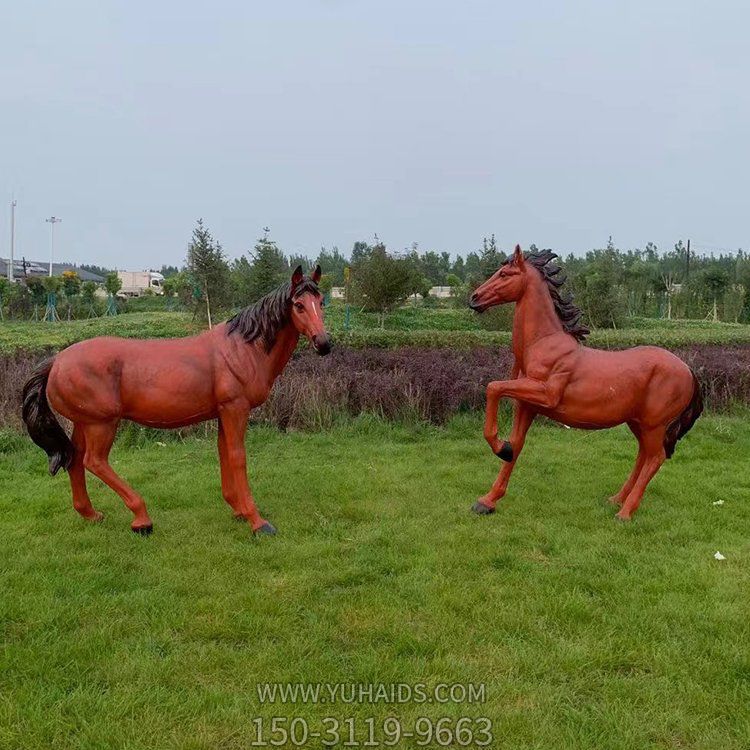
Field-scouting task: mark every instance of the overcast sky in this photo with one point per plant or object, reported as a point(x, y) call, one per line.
point(558, 123)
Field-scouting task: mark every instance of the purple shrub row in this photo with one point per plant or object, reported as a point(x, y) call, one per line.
point(426, 384)
point(434, 384)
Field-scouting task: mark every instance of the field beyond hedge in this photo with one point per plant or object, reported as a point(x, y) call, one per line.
point(420, 327)
point(587, 633)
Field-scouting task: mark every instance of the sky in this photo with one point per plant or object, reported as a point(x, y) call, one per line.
point(330, 121)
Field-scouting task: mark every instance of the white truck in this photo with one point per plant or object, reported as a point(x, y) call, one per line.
point(135, 283)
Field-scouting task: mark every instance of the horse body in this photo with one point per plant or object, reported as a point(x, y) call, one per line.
point(648, 388)
point(165, 383)
point(220, 374)
point(606, 388)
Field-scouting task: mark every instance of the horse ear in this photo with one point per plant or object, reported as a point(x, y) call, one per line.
point(518, 258)
point(297, 277)
point(317, 273)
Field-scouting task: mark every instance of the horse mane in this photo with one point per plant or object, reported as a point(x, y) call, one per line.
point(266, 317)
point(569, 314)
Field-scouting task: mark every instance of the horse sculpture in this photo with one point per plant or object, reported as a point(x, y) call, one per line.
point(648, 388)
point(221, 374)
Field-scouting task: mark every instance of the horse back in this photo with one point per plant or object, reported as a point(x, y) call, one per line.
point(165, 382)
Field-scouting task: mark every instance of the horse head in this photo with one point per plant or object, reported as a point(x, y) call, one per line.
point(507, 284)
point(307, 310)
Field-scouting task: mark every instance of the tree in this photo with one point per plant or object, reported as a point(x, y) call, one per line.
point(36, 289)
point(71, 283)
point(333, 264)
point(459, 268)
point(491, 258)
point(325, 284)
point(267, 271)
point(381, 281)
point(208, 269)
point(71, 286)
point(452, 280)
point(88, 294)
point(711, 284)
point(112, 283)
point(598, 289)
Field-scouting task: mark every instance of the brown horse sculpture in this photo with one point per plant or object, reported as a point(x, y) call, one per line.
point(650, 389)
point(220, 374)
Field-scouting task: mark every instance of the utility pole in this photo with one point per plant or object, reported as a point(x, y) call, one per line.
point(12, 238)
point(52, 220)
point(687, 261)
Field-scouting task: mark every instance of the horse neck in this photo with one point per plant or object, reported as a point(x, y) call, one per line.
point(283, 348)
point(252, 364)
point(535, 315)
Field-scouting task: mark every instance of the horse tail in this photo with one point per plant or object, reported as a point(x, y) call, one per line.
point(682, 424)
point(43, 427)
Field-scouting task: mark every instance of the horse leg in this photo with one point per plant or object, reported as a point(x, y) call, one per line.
point(227, 486)
point(652, 443)
point(99, 439)
point(523, 416)
point(233, 424)
point(501, 449)
point(619, 498)
point(77, 474)
point(544, 394)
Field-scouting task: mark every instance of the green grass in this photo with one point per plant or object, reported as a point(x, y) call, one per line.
point(405, 327)
point(588, 633)
point(15, 335)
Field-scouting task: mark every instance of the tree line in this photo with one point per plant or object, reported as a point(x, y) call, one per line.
point(608, 283)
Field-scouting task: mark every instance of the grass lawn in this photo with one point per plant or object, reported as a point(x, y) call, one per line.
point(407, 326)
point(587, 633)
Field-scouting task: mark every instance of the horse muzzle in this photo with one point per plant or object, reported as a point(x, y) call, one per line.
point(475, 304)
point(322, 343)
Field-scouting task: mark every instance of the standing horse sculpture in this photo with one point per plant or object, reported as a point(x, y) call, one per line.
point(648, 388)
point(220, 374)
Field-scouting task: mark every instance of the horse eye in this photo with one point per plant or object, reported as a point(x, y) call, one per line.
point(299, 305)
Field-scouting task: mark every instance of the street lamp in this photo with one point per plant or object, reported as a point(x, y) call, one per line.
point(52, 220)
point(12, 238)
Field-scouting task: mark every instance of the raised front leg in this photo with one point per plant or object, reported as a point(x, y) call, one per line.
point(534, 393)
point(523, 416)
point(233, 424)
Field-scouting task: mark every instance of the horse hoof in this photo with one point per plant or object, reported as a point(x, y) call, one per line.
point(620, 517)
point(481, 509)
point(615, 500)
point(239, 517)
point(266, 528)
point(505, 452)
point(96, 518)
point(143, 530)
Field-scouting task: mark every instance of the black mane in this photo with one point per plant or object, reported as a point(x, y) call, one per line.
point(264, 319)
point(569, 314)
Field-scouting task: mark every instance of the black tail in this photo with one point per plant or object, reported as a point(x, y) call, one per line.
point(685, 421)
point(43, 427)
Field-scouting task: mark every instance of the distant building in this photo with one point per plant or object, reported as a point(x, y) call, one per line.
point(439, 292)
point(40, 268)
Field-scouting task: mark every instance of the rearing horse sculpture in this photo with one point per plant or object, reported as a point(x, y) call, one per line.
point(648, 388)
point(220, 374)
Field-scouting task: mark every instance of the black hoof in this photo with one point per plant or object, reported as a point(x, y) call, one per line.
point(266, 528)
point(143, 530)
point(481, 509)
point(506, 451)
